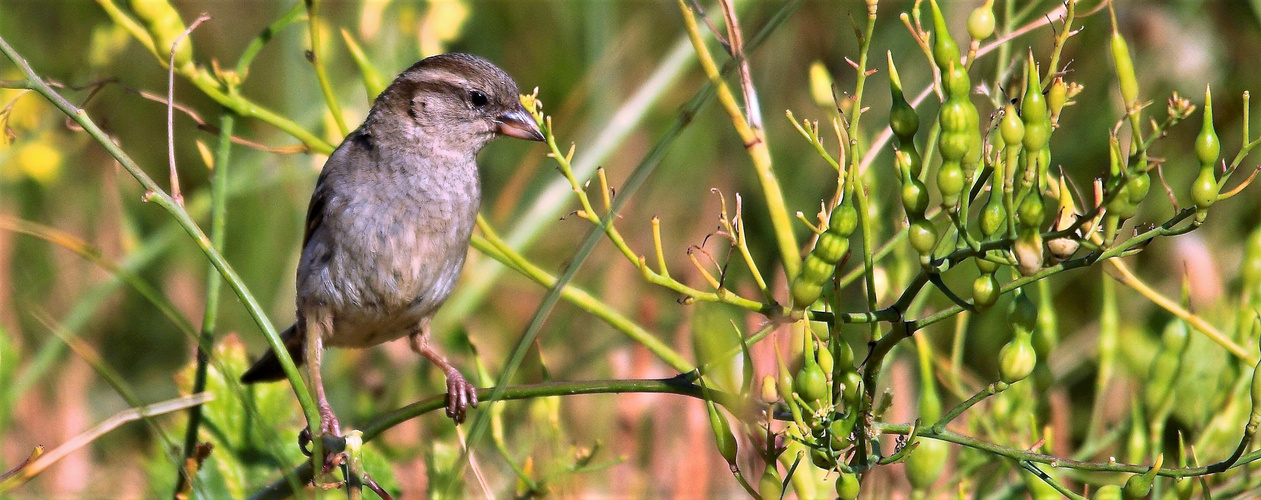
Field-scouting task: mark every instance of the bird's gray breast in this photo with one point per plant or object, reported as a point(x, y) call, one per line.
point(390, 243)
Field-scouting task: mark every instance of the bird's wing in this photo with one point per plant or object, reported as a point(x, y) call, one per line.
point(315, 210)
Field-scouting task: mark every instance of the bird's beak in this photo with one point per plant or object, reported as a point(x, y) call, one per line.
point(518, 123)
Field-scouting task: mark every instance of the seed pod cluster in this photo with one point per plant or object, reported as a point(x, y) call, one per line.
point(1037, 120)
point(921, 233)
point(829, 249)
point(960, 141)
point(1205, 188)
point(903, 120)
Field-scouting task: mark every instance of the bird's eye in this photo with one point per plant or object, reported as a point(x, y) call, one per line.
point(477, 98)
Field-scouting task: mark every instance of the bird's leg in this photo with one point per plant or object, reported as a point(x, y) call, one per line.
point(460, 393)
point(319, 323)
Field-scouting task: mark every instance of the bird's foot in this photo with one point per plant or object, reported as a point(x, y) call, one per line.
point(460, 395)
point(332, 442)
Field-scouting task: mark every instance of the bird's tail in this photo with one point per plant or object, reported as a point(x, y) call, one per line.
point(267, 368)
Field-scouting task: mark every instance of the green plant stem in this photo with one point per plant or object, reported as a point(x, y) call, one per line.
point(754, 143)
point(490, 244)
point(1061, 37)
point(247, 56)
point(1061, 462)
point(209, 85)
point(963, 406)
point(205, 341)
point(326, 86)
point(1049, 480)
point(855, 155)
point(735, 404)
point(155, 194)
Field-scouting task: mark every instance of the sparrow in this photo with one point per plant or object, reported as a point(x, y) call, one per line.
point(388, 225)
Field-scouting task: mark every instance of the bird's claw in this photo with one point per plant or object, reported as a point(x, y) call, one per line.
point(333, 443)
point(460, 395)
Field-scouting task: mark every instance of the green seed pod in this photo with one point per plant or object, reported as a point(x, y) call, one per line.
point(847, 487)
point(1204, 190)
point(985, 290)
point(914, 194)
point(993, 216)
point(958, 84)
point(771, 486)
point(981, 21)
point(1124, 65)
point(823, 458)
point(805, 292)
point(923, 237)
point(1017, 359)
point(945, 50)
point(950, 183)
point(1207, 146)
point(1033, 107)
point(1140, 485)
point(844, 219)
point(811, 382)
point(725, 440)
point(164, 23)
point(1252, 262)
point(926, 462)
point(820, 264)
point(902, 118)
point(1137, 187)
point(1109, 492)
point(1022, 313)
point(985, 266)
point(840, 431)
point(1031, 211)
point(844, 354)
point(830, 248)
point(851, 382)
point(825, 359)
point(956, 134)
point(1012, 128)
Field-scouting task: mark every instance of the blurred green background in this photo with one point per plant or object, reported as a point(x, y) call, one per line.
point(587, 59)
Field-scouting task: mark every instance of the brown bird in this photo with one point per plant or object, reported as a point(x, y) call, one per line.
point(389, 222)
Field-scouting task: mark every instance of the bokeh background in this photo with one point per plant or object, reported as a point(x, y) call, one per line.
point(588, 59)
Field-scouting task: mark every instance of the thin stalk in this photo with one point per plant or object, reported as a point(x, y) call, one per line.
point(755, 143)
point(491, 244)
point(205, 341)
point(736, 405)
point(330, 97)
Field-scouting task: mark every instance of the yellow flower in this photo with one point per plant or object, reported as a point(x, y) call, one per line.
point(39, 161)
